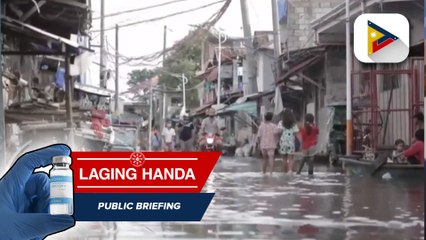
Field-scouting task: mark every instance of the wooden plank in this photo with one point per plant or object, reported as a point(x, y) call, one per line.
point(31, 53)
point(379, 162)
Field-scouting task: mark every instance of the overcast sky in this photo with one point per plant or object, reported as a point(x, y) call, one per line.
point(147, 38)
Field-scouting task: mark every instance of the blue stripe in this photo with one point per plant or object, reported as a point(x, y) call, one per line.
point(192, 206)
point(61, 201)
point(60, 179)
point(383, 31)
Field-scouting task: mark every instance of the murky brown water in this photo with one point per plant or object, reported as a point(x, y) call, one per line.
point(248, 205)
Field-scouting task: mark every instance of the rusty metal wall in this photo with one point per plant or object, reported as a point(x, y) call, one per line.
point(385, 98)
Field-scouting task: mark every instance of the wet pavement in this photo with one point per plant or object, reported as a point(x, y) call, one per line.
point(248, 205)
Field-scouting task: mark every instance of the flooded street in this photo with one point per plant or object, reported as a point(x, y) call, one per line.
point(329, 205)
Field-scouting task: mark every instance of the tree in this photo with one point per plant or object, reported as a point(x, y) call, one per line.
point(184, 60)
point(137, 77)
point(187, 61)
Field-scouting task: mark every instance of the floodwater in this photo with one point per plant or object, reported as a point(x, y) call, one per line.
point(248, 205)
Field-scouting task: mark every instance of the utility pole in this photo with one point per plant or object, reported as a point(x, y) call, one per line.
point(150, 117)
point(116, 69)
point(277, 38)
point(184, 82)
point(349, 132)
point(251, 86)
point(102, 72)
point(219, 64)
point(164, 107)
point(219, 68)
point(164, 44)
point(276, 26)
point(163, 118)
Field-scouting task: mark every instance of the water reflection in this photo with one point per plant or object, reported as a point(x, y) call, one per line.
point(329, 205)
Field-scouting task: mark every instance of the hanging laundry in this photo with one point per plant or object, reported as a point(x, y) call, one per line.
point(60, 79)
point(81, 64)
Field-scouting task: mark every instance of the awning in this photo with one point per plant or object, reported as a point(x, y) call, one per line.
point(205, 74)
point(299, 67)
point(247, 107)
point(253, 96)
point(201, 109)
point(93, 90)
point(212, 76)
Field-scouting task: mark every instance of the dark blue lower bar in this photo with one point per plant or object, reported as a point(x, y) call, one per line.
point(141, 207)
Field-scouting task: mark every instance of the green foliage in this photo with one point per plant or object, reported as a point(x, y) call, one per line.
point(138, 76)
point(185, 60)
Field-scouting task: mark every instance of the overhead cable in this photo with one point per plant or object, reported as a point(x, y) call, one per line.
point(140, 9)
point(160, 18)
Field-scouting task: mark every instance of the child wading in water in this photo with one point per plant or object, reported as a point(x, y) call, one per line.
point(267, 134)
point(309, 134)
point(287, 144)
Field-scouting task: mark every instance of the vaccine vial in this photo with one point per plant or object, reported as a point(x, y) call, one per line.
point(61, 186)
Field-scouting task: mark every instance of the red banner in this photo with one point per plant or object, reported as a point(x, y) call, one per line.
point(145, 172)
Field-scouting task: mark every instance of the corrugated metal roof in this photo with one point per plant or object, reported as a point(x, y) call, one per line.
point(16, 23)
point(297, 68)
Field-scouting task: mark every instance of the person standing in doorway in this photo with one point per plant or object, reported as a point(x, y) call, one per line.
point(186, 135)
point(309, 134)
point(287, 147)
point(419, 118)
point(419, 124)
point(168, 135)
point(267, 136)
point(156, 139)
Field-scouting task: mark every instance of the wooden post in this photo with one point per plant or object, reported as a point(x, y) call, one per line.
point(68, 95)
point(102, 50)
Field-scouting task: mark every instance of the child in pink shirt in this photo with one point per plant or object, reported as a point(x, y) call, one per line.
point(267, 135)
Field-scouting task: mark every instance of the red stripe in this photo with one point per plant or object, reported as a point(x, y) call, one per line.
point(83, 183)
point(377, 47)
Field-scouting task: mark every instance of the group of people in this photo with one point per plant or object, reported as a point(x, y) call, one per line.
point(188, 134)
point(166, 140)
point(288, 138)
point(414, 154)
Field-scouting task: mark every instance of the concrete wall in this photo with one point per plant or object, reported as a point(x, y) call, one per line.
point(414, 14)
point(297, 29)
point(265, 74)
point(335, 75)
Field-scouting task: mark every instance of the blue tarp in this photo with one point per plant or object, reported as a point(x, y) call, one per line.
point(60, 79)
point(282, 10)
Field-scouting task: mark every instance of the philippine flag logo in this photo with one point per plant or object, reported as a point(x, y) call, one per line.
point(381, 38)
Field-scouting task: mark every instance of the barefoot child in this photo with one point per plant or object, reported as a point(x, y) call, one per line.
point(287, 144)
point(267, 136)
point(309, 134)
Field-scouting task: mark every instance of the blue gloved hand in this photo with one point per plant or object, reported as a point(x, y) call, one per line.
point(24, 198)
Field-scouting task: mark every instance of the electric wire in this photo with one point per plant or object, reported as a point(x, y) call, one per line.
point(160, 18)
point(193, 36)
point(140, 9)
